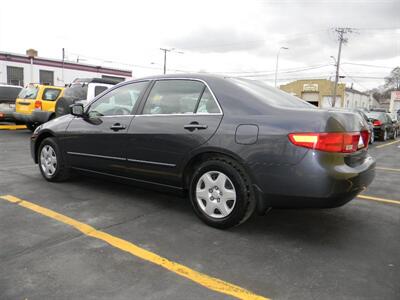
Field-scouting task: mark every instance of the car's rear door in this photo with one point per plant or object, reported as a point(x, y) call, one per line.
point(98, 141)
point(178, 115)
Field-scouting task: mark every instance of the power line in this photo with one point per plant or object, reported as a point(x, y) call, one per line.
point(366, 65)
point(285, 72)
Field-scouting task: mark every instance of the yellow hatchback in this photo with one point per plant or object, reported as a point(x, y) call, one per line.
point(36, 104)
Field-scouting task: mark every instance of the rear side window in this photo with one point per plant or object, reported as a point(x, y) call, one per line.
point(269, 95)
point(173, 97)
point(99, 89)
point(208, 104)
point(29, 92)
point(8, 93)
point(50, 94)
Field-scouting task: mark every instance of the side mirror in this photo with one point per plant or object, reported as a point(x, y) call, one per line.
point(77, 110)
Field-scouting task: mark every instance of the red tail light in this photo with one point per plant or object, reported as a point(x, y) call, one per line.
point(38, 104)
point(377, 123)
point(343, 142)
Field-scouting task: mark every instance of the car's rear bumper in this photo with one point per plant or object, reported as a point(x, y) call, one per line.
point(40, 116)
point(23, 118)
point(320, 180)
point(7, 116)
point(37, 117)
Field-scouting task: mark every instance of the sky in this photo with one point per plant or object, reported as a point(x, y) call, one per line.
point(233, 38)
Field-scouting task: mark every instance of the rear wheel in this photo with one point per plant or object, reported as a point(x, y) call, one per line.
point(394, 134)
point(221, 193)
point(51, 163)
point(384, 135)
point(372, 138)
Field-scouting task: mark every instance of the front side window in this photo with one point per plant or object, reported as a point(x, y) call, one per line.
point(51, 94)
point(120, 101)
point(29, 92)
point(173, 97)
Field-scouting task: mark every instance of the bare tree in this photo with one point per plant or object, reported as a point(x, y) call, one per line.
point(393, 80)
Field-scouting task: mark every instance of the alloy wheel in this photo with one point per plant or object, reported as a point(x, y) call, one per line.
point(48, 160)
point(215, 194)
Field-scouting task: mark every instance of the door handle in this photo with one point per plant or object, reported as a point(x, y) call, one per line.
point(194, 125)
point(117, 126)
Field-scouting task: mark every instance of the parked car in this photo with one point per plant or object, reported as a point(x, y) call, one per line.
point(8, 94)
point(81, 91)
point(362, 113)
point(235, 146)
point(384, 127)
point(35, 104)
point(396, 124)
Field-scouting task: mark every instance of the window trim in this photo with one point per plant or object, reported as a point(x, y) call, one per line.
point(145, 99)
point(135, 107)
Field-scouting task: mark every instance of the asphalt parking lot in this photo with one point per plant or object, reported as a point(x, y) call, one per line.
point(142, 244)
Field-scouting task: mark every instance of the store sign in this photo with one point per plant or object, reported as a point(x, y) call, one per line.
point(310, 87)
point(395, 95)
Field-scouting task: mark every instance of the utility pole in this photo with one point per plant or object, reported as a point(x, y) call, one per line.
point(165, 50)
point(62, 70)
point(342, 40)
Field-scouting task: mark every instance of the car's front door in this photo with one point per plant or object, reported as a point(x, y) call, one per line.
point(98, 141)
point(178, 116)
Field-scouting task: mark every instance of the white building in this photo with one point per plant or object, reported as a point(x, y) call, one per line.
point(20, 70)
point(357, 99)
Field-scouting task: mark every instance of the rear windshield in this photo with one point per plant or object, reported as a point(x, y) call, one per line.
point(76, 91)
point(9, 93)
point(29, 92)
point(376, 115)
point(271, 95)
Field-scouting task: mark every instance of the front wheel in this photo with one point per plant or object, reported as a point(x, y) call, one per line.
point(221, 193)
point(50, 161)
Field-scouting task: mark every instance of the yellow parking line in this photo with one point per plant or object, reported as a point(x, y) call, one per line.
point(387, 144)
point(209, 282)
point(365, 197)
point(12, 127)
point(387, 169)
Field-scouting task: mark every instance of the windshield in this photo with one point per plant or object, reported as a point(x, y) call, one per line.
point(29, 92)
point(76, 91)
point(271, 95)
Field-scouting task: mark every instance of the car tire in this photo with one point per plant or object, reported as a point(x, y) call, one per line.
point(31, 126)
point(384, 135)
point(394, 134)
point(221, 193)
point(51, 164)
point(372, 138)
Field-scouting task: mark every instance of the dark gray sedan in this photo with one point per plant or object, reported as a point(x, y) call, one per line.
point(235, 146)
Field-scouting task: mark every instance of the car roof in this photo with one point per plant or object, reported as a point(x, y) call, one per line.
point(10, 85)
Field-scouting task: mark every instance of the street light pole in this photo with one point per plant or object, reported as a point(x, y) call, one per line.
point(277, 61)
